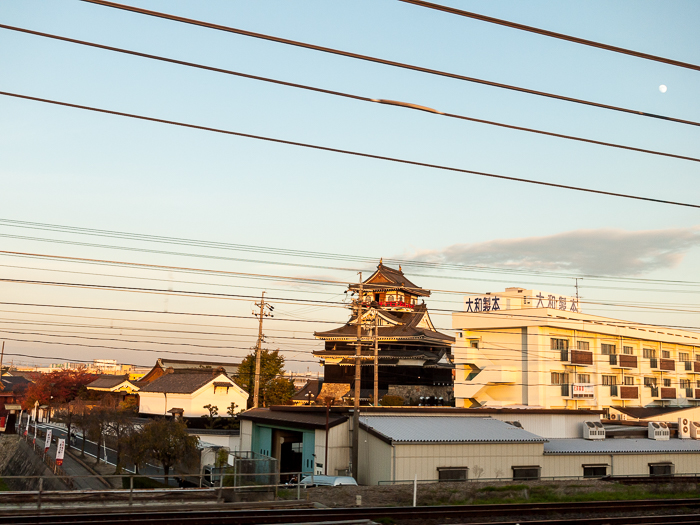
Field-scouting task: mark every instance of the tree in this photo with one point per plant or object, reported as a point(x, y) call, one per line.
point(120, 426)
point(212, 417)
point(278, 391)
point(168, 443)
point(136, 448)
point(391, 401)
point(57, 388)
point(271, 367)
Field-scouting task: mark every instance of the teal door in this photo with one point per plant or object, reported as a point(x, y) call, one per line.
point(309, 446)
point(262, 440)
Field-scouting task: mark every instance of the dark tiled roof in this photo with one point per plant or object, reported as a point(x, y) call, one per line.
point(393, 279)
point(108, 381)
point(294, 418)
point(312, 386)
point(176, 364)
point(645, 412)
point(405, 329)
point(179, 382)
point(11, 382)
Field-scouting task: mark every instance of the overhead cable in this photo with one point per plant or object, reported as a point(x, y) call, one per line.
point(382, 61)
point(349, 95)
point(350, 152)
point(552, 34)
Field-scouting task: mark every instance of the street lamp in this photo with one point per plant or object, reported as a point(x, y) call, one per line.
point(309, 398)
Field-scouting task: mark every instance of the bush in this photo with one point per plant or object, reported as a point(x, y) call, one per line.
point(391, 401)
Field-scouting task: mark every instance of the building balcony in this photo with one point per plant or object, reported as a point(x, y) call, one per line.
point(577, 391)
point(667, 364)
point(654, 391)
point(580, 357)
point(668, 393)
point(629, 392)
point(697, 393)
point(696, 367)
point(623, 361)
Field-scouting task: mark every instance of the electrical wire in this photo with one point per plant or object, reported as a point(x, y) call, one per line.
point(316, 255)
point(402, 65)
point(350, 152)
point(346, 95)
point(552, 34)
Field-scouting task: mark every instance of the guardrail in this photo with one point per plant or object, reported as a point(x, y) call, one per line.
point(192, 489)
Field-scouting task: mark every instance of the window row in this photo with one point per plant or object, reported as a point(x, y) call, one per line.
point(562, 378)
point(665, 468)
point(611, 349)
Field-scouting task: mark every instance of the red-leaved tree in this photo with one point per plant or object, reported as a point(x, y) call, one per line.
point(57, 388)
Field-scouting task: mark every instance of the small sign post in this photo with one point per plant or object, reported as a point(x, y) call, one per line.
point(47, 442)
point(60, 451)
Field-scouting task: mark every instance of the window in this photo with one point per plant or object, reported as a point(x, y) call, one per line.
point(452, 473)
point(607, 349)
point(628, 350)
point(685, 383)
point(649, 381)
point(661, 469)
point(697, 383)
point(682, 356)
point(609, 380)
point(667, 382)
point(697, 357)
point(595, 471)
point(560, 344)
point(583, 345)
point(475, 344)
point(390, 298)
point(583, 378)
point(629, 380)
point(649, 353)
point(531, 472)
point(560, 378)
point(665, 354)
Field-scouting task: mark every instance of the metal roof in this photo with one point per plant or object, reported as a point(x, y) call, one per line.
point(619, 446)
point(442, 429)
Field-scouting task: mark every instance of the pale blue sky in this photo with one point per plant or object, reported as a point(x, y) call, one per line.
point(69, 167)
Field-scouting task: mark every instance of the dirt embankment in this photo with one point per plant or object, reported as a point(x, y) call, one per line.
point(18, 459)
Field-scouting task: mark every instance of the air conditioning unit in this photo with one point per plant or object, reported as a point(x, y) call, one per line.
point(658, 431)
point(593, 430)
point(695, 430)
point(613, 417)
point(684, 428)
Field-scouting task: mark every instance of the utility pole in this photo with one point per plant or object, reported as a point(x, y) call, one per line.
point(358, 380)
point(258, 348)
point(376, 359)
point(2, 355)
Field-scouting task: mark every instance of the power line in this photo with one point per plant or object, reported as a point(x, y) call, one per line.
point(347, 95)
point(552, 34)
point(349, 152)
point(348, 54)
point(77, 230)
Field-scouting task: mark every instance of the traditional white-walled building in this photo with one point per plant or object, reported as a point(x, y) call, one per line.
point(526, 347)
point(114, 383)
point(186, 392)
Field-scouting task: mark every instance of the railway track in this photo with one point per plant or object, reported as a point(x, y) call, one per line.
point(534, 513)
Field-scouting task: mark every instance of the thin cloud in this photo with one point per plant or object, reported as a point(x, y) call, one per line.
point(595, 252)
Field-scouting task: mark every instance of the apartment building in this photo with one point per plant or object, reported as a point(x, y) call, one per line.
point(538, 349)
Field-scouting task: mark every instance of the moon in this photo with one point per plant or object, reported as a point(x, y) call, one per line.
point(662, 88)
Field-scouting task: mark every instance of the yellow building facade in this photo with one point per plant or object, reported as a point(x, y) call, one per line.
point(537, 349)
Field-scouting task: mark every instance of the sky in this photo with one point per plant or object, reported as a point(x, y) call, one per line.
point(72, 168)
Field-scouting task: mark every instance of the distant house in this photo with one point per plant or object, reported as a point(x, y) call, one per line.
point(112, 383)
point(12, 391)
point(163, 365)
point(186, 391)
point(309, 393)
